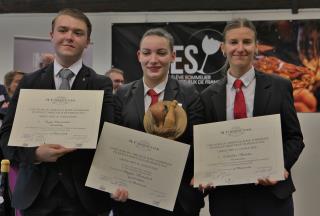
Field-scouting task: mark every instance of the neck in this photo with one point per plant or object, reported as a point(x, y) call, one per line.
point(67, 62)
point(238, 72)
point(152, 83)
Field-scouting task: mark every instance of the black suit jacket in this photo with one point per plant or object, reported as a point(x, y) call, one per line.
point(32, 177)
point(4, 98)
point(130, 106)
point(273, 95)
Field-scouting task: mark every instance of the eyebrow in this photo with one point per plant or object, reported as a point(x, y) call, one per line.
point(73, 29)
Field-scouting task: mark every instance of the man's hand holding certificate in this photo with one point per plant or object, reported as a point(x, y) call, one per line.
point(238, 151)
point(68, 118)
point(148, 166)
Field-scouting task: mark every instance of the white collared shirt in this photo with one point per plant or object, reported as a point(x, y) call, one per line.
point(159, 89)
point(75, 68)
point(248, 89)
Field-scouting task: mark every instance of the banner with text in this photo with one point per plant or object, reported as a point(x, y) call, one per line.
point(290, 49)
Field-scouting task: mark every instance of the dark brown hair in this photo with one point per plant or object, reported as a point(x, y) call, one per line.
point(75, 13)
point(8, 78)
point(238, 23)
point(161, 33)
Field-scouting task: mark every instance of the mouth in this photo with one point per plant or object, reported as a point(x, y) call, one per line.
point(154, 69)
point(68, 45)
point(240, 56)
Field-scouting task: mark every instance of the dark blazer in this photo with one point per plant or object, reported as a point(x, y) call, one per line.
point(130, 106)
point(4, 98)
point(32, 177)
point(273, 95)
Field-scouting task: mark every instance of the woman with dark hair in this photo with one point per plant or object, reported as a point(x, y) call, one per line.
point(155, 54)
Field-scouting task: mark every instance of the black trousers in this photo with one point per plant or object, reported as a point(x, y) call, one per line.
point(248, 200)
point(133, 208)
point(57, 203)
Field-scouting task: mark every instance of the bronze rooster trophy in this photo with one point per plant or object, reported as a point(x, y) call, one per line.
point(166, 119)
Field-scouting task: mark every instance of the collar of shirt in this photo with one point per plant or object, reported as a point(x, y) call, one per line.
point(75, 68)
point(159, 89)
point(249, 82)
point(246, 78)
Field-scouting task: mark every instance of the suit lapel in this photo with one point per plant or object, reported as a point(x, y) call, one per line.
point(171, 90)
point(138, 99)
point(262, 94)
point(219, 100)
point(82, 79)
point(47, 79)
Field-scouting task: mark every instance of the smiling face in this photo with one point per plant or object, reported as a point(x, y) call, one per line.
point(69, 37)
point(239, 47)
point(155, 57)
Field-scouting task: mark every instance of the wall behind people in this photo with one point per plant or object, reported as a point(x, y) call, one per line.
point(35, 25)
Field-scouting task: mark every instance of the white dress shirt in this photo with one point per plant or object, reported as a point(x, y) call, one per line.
point(248, 89)
point(159, 89)
point(75, 68)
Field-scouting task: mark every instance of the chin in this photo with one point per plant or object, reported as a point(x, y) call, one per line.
point(153, 75)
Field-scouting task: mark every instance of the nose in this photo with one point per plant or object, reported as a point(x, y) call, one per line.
point(69, 35)
point(153, 58)
point(240, 47)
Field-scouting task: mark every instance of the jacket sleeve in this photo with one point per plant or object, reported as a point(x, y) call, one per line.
point(291, 131)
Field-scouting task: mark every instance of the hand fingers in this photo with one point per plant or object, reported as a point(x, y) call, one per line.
point(266, 182)
point(120, 195)
point(51, 152)
point(286, 174)
point(206, 188)
point(123, 196)
point(192, 181)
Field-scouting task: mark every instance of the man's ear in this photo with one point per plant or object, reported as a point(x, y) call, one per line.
point(88, 42)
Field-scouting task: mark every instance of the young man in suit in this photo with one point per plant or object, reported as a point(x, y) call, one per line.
point(155, 56)
point(51, 179)
point(262, 94)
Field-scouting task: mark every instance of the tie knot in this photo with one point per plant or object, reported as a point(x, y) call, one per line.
point(66, 74)
point(152, 93)
point(237, 84)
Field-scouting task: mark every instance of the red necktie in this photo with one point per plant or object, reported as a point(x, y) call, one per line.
point(154, 96)
point(239, 109)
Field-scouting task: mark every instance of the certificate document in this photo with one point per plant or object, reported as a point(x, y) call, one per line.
point(68, 118)
point(238, 151)
point(148, 166)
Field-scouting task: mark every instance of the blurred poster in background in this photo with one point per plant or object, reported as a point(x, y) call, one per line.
point(28, 51)
point(199, 59)
point(288, 48)
point(291, 49)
